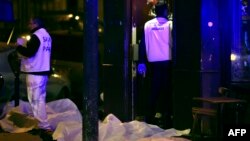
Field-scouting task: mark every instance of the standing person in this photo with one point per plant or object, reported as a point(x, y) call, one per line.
point(35, 63)
point(155, 47)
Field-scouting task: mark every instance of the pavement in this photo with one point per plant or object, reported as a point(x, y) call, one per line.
point(18, 125)
point(33, 135)
point(19, 137)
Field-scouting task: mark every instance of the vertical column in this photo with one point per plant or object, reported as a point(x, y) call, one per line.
point(116, 58)
point(210, 48)
point(90, 73)
point(187, 55)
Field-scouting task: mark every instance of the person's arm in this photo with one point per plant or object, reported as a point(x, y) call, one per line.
point(31, 48)
point(142, 57)
point(142, 51)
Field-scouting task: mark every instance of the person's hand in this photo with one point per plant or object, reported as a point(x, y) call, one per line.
point(142, 69)
point(21, 42)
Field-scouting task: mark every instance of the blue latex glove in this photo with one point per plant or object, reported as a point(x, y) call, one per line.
point(142, 69)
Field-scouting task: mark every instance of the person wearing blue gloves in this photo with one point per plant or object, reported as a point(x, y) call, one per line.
point(155, 50)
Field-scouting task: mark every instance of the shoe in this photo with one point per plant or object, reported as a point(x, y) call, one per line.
point(164, 121)
point(46, 134)
point(48, 131)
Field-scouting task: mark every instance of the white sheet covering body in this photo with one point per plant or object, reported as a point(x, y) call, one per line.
point(66, 119)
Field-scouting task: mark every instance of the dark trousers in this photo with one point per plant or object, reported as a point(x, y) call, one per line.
point(160, 99)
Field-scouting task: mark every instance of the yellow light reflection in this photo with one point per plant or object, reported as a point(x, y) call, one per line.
point(233, 57)
point(70, 15)
point(56, 75)
point(77, 17)
point(26, 37)
point(100, 30)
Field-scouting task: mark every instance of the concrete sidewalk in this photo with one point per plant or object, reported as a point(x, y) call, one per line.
point(19, 137)
point(33, 135)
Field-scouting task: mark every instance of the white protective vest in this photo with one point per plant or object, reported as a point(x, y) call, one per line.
point(158, 39)
point(41, 61)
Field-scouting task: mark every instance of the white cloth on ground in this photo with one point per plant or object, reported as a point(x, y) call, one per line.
point(64, 116)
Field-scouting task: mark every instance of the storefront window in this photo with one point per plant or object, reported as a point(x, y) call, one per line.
point(240, 56)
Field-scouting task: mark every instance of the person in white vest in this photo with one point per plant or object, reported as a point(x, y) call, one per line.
point(35, 55)
point(155, 50)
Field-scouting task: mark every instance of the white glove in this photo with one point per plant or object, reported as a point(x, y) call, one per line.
point(21, 42)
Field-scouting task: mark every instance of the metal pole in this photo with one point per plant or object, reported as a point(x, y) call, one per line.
point(90, 71)
point(128, 94)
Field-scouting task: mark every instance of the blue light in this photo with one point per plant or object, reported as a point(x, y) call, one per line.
point(6, 10)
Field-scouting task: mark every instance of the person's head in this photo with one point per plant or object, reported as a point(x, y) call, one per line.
point(161, 10)
point(34, 23)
